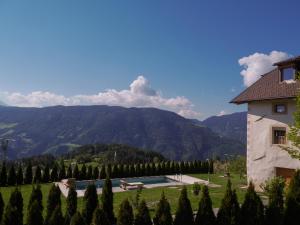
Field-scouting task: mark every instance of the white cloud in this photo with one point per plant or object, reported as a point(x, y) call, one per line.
point(222, 113)
point(139, 94)
point(258, 64)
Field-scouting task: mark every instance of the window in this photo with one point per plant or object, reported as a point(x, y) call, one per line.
point(279, 135)
point(287, 73)
point(280, 108)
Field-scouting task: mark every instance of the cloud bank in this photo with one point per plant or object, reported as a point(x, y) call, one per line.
point(139, 94)
point(258, 64)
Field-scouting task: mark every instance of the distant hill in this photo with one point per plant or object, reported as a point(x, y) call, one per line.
point(113, 153)
point(233, 126)
point(60, 129)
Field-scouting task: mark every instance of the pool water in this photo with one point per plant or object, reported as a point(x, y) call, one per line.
point(82, 185)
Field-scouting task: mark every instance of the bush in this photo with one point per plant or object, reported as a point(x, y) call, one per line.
point(196, 188)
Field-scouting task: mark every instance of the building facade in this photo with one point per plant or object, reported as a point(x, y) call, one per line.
point(271, 103)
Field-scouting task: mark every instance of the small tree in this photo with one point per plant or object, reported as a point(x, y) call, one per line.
point(38, 175)
point(125, 216)
point(100, 217)
point(229, 212)
point(3, 175)
point(56, 217)
point(71, 204)
point(16, 201)
point(46, 174)
point(102, 172)
point(36, 196)
point(292, 203)
point(34, 216)
point(12, 177)
point(89, 174)
point(107, 200)
point(1, 207)
point(163, 212)
point(20, 176)
point(184, 213)
point(143, 216)
point(252, 211)
point(77, 219)
point(96, 173)
point(10, 216)
point(54, 174)
point(28, 174)
point(275, 209)
point(90, 203)
point(293, 135)
point(205, 214)
point(76, 173)
point(53, 201)
point(69, 172)
point(83, 172)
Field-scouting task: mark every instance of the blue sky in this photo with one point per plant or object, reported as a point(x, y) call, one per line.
point(185, 52)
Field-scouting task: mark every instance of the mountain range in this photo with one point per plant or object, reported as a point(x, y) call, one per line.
point(60, 129)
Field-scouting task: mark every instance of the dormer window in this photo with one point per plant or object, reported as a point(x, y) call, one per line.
point(287, 73)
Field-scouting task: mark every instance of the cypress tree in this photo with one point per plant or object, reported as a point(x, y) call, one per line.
point(38, 175)
point(16, 206)
point(1, 207)
point(205, 214)
point(143, 216)
point(53, 201)
point(34, 216)
point(83, 172)
point(16, 201)
point(71, 204)
point(107, 200)
point(229, 211)
point(100, 217)
point(54, 174)
point(121, 171)
point(163, 212)
point(28, 174)
point(292, 203)
point(252, 211)
point(3, 175)
point(275, 209)
point(36, 196)
point(96, 173)
point(102, 172)
point(10, 216)
point(90, 203)
point(12, 177)
point(46, 174)
point(76, 173)
point(69, 172)
point(77, 219)
point(62, 172)
point(89, 174)
point(108, 170)
point(20, 176)
point(125, 215)
point(56, 217)
point(184, 213)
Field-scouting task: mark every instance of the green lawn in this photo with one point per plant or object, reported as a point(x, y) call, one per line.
point(151, 196)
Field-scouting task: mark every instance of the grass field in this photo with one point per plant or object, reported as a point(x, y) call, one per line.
point(151, 196)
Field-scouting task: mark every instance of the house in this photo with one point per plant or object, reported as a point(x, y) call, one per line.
point(271, 102)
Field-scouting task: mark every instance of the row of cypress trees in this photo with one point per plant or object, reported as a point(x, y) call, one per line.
point(251, 212)
point(56, 173)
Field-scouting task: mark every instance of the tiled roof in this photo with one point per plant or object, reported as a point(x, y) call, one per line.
point(268, 87)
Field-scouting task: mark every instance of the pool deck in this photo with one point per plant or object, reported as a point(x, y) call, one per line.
point(178, 180)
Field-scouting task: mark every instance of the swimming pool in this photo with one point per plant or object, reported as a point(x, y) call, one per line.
point(82, 185)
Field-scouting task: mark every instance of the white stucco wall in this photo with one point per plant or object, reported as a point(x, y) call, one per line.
point(263, 156)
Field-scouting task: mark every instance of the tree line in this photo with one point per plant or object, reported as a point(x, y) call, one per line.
point(28, 174)
point(251, 212)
